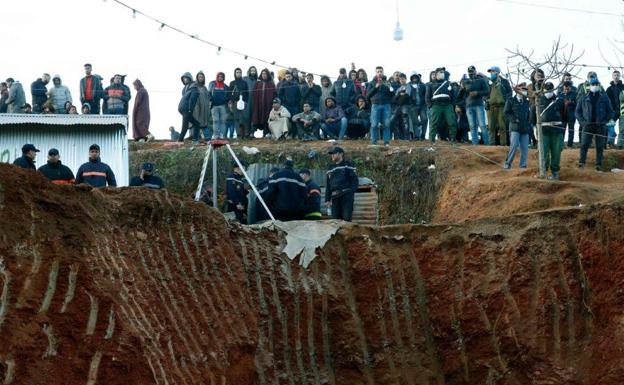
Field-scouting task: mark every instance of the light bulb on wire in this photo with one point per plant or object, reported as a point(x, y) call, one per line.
point(161, 27)
point(398, 31)
point(134, 13)
point(218, 51)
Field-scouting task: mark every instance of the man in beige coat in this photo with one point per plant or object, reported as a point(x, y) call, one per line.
point(279, 120)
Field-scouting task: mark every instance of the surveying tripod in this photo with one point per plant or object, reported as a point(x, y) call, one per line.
point(213, 146)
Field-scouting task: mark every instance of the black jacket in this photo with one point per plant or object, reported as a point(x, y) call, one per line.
point(38, 90)
point(517, 115)
point(586, 114)
point(379, 95)
point(189, 99)
point(290, 94)
point(235, 191)
point(313, 199)
point(149, 181)
point(24, 162)
point(344, 92)
point(57, 172)
point(479, 85)
point(311, 95)
point(287, 192)
point(341, 180)
point(239, 87)
point(440, 93)
point(96, 173)
point(417, 96)
point(613, 92)
point(551, 112)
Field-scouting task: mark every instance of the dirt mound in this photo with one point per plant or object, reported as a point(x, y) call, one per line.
point(130, 286)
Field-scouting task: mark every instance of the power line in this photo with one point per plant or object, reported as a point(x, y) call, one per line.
point(560, 8)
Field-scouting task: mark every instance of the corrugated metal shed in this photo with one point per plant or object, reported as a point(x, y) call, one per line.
point(71, 135)
point(366, 205)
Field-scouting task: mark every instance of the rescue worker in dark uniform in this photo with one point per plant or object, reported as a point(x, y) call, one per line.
point(55, 171)
point(263, 188)
point(312, 207)
point(287, 193)
point(236, 194)
point(27, 160)
point(95, 172)
point(342, 182)
point(147, 178)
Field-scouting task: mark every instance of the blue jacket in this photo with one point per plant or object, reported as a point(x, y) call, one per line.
point(219, 96)
point(290, 94)
point(39, 91)
point(311, 95)
point(287, 192)
point(517, 115)
point(341, 180)
point(336, 113)
point(379, 95)
point(344, 92)
point(478, 85)
point(235, 191)
point(189, 99)
point(585, 109)
point(96, 173)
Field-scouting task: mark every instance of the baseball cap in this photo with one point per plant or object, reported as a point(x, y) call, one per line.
point(147, 166)
point(594, 80)
point(29, 147)
point(305, 171)
point(53, 151)
point(336, 150)
point(472, 69)
point(94, 147)
point(277, 101)
point(494, 69)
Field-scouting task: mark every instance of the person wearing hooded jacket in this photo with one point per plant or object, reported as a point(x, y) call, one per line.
point(202, 108)
point(39, 92)
point(263, 94)
point(418, 108)
point(116, 97)
point(219, 95)
point(240, 92)
point(17, 98)
point(251, 79)
point(141, 112)
point(190, 94)
point(59, 94)
point(343, 90)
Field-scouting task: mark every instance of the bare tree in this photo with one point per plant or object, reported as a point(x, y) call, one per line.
point(559, 60)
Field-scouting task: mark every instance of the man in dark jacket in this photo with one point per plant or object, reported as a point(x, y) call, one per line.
point(190, 93)
point(380, 96)
point(477, 89)
point(263, 188)
point(593, 111)
point(500, 91)
point(287, 194)
point(613, 92)
point(312, 210)
point(311, 93)
point(517, 112)
point(440, 98)
point(290, 95)
point(568, 96)
point(236, 194)
point(91, 91)
point(401, 105)
point(147, 178)
point(418, 108)
point(27, 160)
point(39, 93)
point(334, 122)
point(343, 90)
point(55, 171)
point(341, 185)
point(240, 92)
point(250, 79)
point(359, 119)
point(95, 172)
point(116, 97)
point(4, 95)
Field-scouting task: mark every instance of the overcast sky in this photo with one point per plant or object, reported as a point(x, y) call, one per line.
point(319, 36)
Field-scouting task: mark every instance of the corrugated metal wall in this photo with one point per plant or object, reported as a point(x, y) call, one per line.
point(365, 209)
point(73, 143)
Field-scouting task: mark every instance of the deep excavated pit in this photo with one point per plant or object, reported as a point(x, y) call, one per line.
point(130, 286)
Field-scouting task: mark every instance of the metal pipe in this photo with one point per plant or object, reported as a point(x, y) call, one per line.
point(203, 174)
point(214, 180)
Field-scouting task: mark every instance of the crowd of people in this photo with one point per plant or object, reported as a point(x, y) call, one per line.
point(479, 108)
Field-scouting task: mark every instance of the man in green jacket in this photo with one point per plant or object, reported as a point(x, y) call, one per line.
point(500, 91)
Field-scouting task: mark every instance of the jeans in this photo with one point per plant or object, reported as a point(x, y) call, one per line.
point(498, 127)
point(589, 132)
point(335, 129)
point(442, 114)
point(219, 118)
point(380, 113)
point(521, 141)
point(207, 131)
point(230, 130)
point(611, 134)
point(418, 121)
point(476, 119)
point(427, 126)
